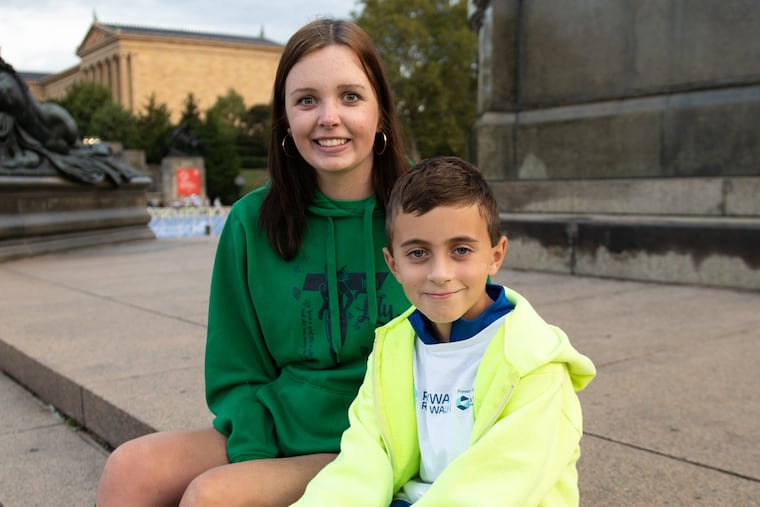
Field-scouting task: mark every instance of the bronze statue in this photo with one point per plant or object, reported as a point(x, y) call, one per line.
point(42, 139)
point(184, 142)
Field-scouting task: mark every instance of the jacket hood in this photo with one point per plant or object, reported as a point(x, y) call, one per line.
point(537, 344)
point(540, 343)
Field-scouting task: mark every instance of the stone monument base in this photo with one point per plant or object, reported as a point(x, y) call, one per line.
point(703, 231)
point(45, 214)
point(181, 177)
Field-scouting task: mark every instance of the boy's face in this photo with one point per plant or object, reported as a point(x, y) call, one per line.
point(443, 259)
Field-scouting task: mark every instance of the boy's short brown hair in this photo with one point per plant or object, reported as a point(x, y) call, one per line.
point(442, 181)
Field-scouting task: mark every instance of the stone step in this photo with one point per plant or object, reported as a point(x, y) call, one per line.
point(713, 251)
point(718, 196)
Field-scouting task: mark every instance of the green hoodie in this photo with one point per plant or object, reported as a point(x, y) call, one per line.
point(288, 340)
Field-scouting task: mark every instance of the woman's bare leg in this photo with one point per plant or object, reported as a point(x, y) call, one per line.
point(274, 482)
point(156, 469)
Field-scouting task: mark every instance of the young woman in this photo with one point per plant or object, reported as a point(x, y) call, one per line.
point(299, 285)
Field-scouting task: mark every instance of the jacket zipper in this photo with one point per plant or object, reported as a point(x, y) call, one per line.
point(496, 415)
point(380, 421)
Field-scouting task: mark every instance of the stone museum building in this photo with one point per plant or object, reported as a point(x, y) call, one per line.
point(135, 62)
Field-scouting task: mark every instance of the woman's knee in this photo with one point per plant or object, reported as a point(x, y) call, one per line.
point(157, 468)
point(207, 490)
point(127, 473)
point(134, 456)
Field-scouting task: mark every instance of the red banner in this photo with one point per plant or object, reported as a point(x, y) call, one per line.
point(188, 181)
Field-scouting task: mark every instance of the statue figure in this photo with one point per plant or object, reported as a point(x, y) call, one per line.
point(42, 139)
point(478, 13)
point(184, 141)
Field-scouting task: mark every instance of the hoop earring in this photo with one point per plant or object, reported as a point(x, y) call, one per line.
point(284, 149)
point(385, 143)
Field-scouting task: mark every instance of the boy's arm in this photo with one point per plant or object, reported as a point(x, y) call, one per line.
point(361, 474)
point(532, 448)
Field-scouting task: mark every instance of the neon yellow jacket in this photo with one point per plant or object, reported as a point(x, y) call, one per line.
point(526, 434)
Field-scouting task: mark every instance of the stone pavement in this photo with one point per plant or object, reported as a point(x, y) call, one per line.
point(113, 338)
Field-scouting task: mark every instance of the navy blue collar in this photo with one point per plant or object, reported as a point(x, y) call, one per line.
point(462, 329)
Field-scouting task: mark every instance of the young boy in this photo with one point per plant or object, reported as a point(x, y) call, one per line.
point(469, 397)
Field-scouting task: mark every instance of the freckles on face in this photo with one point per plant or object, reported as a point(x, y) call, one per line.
point(332, 110)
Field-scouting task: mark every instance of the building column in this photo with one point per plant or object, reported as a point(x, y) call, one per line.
point(130, 89)
point(123, 80)
point(113, 78)
point(107, 73)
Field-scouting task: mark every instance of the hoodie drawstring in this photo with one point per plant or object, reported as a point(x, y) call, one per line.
point(333, 297)
point(369, 261)
point(337, 318)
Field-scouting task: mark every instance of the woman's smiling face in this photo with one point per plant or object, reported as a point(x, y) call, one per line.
point(333, 115)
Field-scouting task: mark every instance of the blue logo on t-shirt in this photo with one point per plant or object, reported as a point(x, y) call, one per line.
point(464, 402)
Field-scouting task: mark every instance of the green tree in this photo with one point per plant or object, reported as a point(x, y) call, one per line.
point(111, 122)
point(82, 101)
point(154, 130)
point(218, 134)
point(229, 110)
point(253, 138)
point(191, 114)
point(257, 124)
point(430, 55)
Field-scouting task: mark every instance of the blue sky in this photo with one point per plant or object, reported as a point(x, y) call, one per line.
point(43, 35)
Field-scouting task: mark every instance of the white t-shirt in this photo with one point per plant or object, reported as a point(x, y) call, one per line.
point(444, 378)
